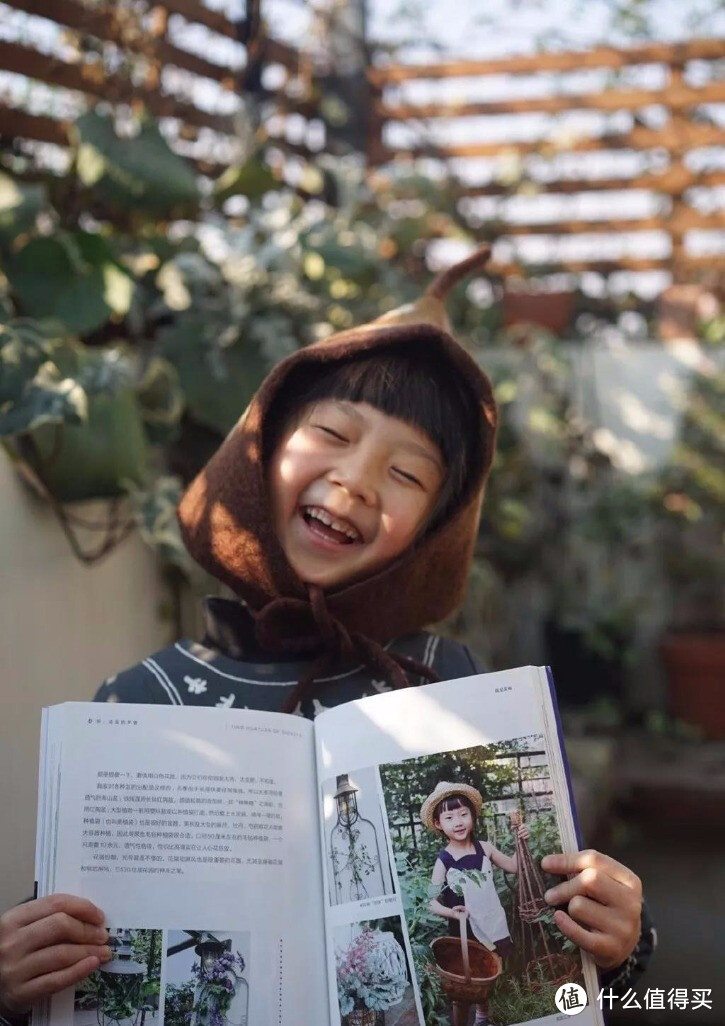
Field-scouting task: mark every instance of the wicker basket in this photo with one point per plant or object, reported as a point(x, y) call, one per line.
point(555, 969)
point(467, 969)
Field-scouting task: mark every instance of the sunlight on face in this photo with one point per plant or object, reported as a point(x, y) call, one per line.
point(350, 488)
point(456, 824)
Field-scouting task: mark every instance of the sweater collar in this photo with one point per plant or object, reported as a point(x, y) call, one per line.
point(229, 628)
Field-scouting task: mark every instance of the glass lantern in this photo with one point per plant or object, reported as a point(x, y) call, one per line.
point(357, 868)
point(210, 950)
point(122, 983)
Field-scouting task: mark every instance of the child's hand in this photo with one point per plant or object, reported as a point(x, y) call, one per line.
point(46, 946)
point(604, 897)
point(460, 912)
point(523, 832)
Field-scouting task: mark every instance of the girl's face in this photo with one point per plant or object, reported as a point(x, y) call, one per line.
point(350, 488)
point(456, 824)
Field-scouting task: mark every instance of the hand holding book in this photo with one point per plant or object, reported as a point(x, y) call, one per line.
point(47, 945)
point(604, 904)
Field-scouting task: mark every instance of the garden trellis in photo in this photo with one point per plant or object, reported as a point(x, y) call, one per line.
point(528, 787)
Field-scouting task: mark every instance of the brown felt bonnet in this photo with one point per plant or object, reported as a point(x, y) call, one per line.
point(226, 519)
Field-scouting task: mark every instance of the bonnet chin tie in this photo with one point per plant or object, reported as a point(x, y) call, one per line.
point(288, 626)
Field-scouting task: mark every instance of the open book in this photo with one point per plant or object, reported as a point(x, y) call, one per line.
point(259, 869)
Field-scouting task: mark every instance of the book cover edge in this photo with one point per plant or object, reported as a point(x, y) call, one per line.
point(564, 756)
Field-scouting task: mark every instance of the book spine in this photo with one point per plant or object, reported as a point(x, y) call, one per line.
point(565, 760)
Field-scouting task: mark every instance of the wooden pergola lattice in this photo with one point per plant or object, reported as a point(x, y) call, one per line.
point(673, 131)
point(686, 106)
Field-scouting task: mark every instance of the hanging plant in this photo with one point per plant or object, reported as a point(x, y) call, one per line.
point(71, 412)
point(74, 421)
point(138, 171)
point(178, 1004)
point(20, 204)
point(72, 277)
point(217, 986)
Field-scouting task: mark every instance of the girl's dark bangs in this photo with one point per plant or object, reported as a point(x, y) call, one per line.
point(456, 801)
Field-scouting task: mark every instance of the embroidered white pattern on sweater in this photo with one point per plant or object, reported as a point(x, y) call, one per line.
point(195, 685)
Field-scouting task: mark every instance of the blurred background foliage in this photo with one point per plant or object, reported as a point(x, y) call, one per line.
point(138, 316)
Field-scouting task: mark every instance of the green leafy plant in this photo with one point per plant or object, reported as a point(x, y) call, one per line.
point(514, 1000)
point(371, 972)
point(133, 172)
point(354, 857)
point(179, 1003)
point(423, 927)
point(689, 504)
point(79, 416)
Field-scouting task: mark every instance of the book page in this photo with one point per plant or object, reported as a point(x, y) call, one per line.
point(195, 830)
point(438, 803)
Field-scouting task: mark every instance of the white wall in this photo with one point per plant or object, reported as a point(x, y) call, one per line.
point(64, 627)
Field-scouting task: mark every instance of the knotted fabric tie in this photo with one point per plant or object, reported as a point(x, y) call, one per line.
point(289, 626)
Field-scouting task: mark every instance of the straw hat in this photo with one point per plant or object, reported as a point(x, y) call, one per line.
point(445, 789)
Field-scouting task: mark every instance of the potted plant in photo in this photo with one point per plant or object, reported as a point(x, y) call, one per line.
point(371, 977)
point(690, 510)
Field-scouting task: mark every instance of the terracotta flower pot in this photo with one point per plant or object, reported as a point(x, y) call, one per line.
point(361, 1017)
point(550, 310)
point(695, 666)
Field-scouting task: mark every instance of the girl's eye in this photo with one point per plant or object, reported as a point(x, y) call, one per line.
point(408, 477)
point(329, 431)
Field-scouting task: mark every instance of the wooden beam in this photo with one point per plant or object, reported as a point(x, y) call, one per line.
point(112, 87)
point(636, 139)
point(669, 182)
point(529, 64)
point(194, 11)
point(673, 97)
point(687, 220)
point(16, 124)
point(677, 157)
point(298, 149)
point(99, 23)
point(495, 267)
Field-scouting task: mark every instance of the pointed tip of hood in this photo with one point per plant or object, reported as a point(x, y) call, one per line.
point(431, 308)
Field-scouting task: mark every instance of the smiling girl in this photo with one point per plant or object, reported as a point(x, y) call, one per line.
point(452, 810)
point(342, 514)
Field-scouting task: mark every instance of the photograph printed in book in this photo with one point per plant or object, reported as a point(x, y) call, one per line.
point(206, 978)
point(468, 829)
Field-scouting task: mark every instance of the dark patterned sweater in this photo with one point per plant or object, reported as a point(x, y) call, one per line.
point(228, 669)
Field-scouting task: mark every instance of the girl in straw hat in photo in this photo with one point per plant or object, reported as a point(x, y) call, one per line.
point(462, 877)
